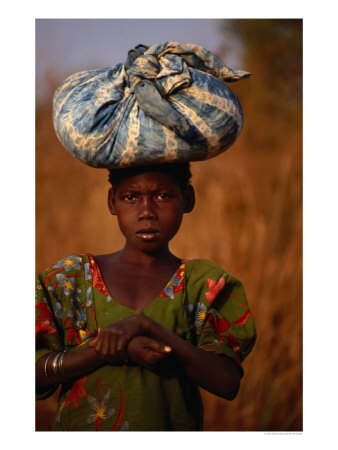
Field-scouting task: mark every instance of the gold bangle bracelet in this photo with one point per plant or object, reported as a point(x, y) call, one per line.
point(46, 372)
point(55, 363)
point(61, 371)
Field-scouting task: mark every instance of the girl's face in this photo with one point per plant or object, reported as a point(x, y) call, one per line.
point(149, 208)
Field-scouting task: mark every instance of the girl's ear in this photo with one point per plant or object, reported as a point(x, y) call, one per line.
point(111, 202)
point(189, 195)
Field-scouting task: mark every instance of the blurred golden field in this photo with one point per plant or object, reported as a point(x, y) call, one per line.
point(248, 219)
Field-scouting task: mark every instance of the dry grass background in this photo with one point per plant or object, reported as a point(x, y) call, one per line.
point(248, 219)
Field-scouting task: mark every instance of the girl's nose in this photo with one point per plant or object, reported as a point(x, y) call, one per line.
point(147, 210)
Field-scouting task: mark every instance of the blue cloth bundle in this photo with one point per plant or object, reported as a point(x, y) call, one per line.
point(166, 103)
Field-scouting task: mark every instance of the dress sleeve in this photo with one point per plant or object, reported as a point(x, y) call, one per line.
point(48, 332)
point(220, 314)
point(65, 311)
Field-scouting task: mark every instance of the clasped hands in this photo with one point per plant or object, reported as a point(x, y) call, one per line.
point(129, 339)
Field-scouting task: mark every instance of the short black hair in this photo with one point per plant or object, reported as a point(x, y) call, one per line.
point(179, 171)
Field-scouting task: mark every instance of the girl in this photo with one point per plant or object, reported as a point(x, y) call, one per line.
point(130, 335)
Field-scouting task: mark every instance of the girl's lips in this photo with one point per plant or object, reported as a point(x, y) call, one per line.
point(148, 235)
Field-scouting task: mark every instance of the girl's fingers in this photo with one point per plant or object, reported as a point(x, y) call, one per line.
point(157, 346)
point(111, 348)
point(121, 348)
point(167, 349)
point(152, 344)
point(105, 347)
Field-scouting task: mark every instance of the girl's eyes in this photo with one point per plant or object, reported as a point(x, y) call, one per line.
point(134, 197)
point(162, 196)
point(129, 197)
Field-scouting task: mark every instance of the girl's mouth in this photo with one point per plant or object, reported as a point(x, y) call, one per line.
point(148, 234)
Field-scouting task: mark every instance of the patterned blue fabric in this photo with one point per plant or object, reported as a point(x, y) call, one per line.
point(167, 103)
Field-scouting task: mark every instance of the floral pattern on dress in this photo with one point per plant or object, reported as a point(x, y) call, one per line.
point(88, 296)
point(176, 284)
point(68, 284)
point(99, 408)
point(44, 311)
point(72, 312)
point(87, 273)
point(225, 337)
point(197, 313)
point(70, 263)
point(120, 414)
point(77, 391)
point(73, 336)
point(101, 412)
point(43, 328)
point(214, 288)
point(98, 282)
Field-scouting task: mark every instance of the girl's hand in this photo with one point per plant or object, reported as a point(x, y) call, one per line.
point(112, 340)
point(146, 352)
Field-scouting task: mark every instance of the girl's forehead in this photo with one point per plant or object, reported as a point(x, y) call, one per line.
point(149, 180)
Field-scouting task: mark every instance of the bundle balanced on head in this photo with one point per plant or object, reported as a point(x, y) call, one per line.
point(130, 335)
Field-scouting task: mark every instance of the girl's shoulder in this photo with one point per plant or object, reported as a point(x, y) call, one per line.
point(73, 263)
point(199, 271)
point(199, 267)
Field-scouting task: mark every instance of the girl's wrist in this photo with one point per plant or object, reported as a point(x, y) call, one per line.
point(148, 325)
point(156, 331)
point(78, 363)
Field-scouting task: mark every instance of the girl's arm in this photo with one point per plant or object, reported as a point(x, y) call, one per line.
point(218, 375)
point(108, 348)
point(75, 364)
point(78, 363)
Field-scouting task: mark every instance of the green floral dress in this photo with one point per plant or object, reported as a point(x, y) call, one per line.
point(201, 303)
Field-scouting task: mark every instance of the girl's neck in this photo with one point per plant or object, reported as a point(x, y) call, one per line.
point(130, 255)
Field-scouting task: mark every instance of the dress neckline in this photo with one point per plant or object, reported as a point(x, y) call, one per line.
point(179, 273)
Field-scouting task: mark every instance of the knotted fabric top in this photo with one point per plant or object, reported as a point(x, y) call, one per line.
point(166, 103)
